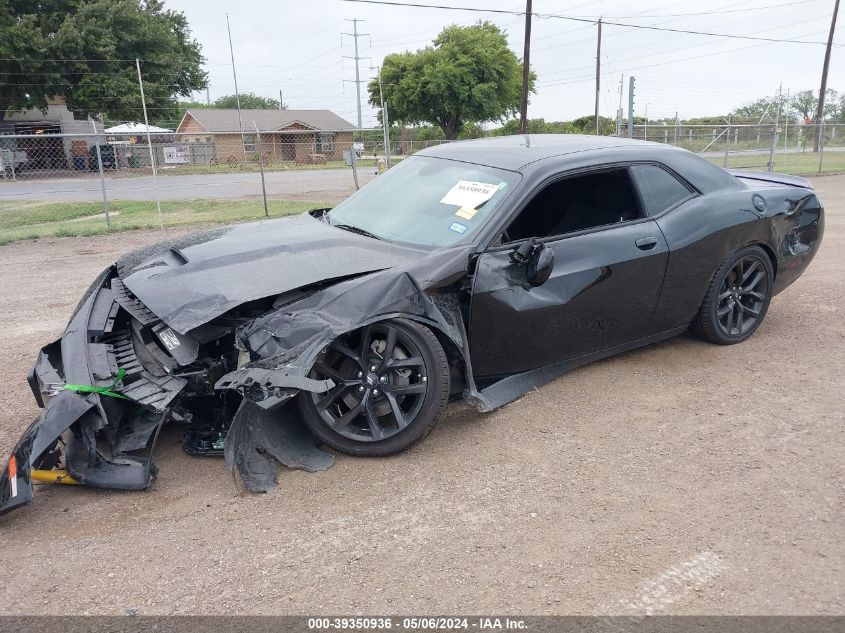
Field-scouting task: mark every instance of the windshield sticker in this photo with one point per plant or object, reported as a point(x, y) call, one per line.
point(466, 213)
point(457, 227)
point(470, 194)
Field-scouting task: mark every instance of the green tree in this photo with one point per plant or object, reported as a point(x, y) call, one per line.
point(85, 51)
point(249, 101)
point(764, 108)
point(468, 76)
point(535, 126)
point(587, 125)
point(806, 102)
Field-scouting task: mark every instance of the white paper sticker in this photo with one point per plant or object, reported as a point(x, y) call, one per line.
point(470, 194)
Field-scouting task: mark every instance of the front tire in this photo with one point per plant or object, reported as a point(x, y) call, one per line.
point(737, 299)
point(391, 388)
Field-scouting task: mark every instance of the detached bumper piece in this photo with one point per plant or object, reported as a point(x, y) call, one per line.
point(105, 436)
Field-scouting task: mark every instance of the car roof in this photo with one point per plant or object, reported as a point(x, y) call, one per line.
point(516, 152)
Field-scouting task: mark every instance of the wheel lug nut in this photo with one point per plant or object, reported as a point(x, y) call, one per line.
point(361, 389)
point(373, 367)
point(423, 379)
point(376, 392)
point(360, 374)
point(383, 379)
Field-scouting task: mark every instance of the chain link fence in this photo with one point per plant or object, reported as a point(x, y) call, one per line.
point(83, 183)
point(783, 147)
point(50, 156)
point(77, 184)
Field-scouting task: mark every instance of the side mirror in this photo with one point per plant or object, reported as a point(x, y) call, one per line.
point(540, 265)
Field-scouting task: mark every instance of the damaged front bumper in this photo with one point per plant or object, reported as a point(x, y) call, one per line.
point(105, 398)
point(103, 439)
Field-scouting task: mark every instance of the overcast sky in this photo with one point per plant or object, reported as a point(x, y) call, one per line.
point(296, 46)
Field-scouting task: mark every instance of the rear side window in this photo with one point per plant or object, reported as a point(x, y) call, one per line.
point(660, 189)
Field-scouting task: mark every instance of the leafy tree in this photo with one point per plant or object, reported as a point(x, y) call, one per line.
point(587, 125)
point(249, 101)
point(85, 50)
point(534, 126)
point(803, 103)
point(759, 109)
point(468, 76)
point(806, 102)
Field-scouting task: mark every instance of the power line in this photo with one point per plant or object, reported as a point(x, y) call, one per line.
point(659, 53)
point(437, 6)
point(586, 78)
point(702, 13)
point(588, 20)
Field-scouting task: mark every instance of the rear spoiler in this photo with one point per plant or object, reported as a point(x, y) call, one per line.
point(764, 176)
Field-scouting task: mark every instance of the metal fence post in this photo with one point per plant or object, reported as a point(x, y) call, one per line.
point(102, 176)
point(353, 158)
point(261, 166)
point(727, 141)
point(821, 145)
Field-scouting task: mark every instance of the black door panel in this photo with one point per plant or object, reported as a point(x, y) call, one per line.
point(601, 293)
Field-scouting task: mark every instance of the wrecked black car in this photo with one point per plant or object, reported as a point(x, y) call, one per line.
point(474, 270)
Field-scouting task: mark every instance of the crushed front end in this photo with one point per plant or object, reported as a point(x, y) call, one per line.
point(108, 386)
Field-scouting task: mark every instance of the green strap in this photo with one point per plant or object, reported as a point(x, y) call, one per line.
point(103, 391)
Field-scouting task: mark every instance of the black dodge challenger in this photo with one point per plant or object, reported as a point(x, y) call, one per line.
point(472, 270)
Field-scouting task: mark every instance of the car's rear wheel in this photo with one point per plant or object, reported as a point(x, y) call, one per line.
point(737, 298)
point(391, 387)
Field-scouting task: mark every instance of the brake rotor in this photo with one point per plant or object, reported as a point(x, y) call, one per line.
point(401, 377)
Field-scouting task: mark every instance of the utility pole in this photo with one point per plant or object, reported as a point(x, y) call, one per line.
point(207, 96)
point(823, 88)
point(631, 107)
point(237, 94)
point(355, 34)
point(149, 143)
point(281, 103)
point(526, 72)
point(598, 73)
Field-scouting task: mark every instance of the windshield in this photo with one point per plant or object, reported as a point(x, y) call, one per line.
point(426, 201)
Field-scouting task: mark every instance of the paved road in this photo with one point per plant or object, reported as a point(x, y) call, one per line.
point(316, 184)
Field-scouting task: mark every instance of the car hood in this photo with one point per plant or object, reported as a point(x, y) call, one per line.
point(188, 281)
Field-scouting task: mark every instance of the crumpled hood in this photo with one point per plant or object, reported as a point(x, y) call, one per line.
point(188, 281)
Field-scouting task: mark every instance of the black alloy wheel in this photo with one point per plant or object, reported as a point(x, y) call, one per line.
point(742, 296)
point(391, 386)
point(738, 297)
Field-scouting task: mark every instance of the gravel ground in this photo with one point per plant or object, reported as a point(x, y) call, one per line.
point(680, 478)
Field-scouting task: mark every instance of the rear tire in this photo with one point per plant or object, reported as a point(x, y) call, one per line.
point(391, 388)
point(737, 298)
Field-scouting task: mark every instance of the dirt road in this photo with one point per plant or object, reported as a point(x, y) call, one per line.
point(680, 478)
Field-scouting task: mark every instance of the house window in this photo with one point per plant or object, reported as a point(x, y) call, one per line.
point(325, 143)
point(249, 142)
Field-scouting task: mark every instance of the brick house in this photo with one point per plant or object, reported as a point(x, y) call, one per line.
point(285, 134)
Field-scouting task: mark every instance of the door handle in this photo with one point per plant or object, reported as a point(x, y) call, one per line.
point(646, 243)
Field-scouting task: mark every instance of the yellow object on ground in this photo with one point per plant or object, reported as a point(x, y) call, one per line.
point(53, 477)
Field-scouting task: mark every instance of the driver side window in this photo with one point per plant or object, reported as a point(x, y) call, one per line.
point(576, 204)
